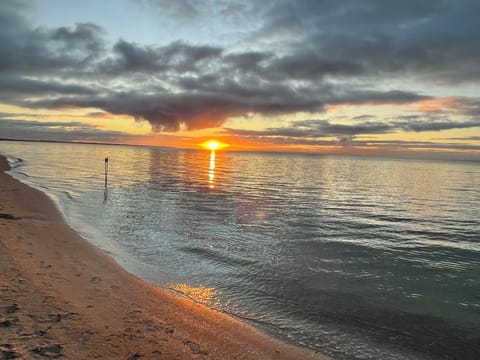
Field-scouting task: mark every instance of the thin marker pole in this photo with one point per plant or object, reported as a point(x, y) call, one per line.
point(106, 170)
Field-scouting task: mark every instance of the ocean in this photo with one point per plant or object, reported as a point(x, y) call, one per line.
point(354, 257)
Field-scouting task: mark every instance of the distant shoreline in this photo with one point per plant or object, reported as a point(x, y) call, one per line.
point(398, 156)
point(71, 142)
point(61, 295)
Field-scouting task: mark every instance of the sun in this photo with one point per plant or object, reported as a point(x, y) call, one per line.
point(213, 145)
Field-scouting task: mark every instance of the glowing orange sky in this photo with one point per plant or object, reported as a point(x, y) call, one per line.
point(71, 73)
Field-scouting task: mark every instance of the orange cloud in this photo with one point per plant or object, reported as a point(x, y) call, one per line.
point(437, 105)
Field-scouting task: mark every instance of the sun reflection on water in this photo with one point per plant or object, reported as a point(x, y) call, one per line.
point(211, 172)
point(200, 294)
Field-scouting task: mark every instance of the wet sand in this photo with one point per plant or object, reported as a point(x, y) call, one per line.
point(61, 297)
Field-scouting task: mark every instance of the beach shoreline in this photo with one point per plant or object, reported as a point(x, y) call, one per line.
point(63, 297)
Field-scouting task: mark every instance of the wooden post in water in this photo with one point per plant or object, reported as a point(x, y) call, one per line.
point(106, 171)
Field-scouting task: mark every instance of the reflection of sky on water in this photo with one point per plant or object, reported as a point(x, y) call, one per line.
point(303, 243)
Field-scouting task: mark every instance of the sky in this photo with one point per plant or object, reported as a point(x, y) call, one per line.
point(365, 77)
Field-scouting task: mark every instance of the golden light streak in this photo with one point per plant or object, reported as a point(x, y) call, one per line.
point(211, 172)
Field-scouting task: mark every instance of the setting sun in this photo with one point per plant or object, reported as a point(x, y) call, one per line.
point(213, 145)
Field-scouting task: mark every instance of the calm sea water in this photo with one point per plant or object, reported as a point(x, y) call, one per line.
point(353, 257)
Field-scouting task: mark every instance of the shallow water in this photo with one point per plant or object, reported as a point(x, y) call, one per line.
point(353, 257)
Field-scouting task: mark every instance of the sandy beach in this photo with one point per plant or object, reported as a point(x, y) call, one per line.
point(62, 297)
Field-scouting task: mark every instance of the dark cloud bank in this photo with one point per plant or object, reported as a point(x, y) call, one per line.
point(316, 132)
point(323, 52)
point(52, 131)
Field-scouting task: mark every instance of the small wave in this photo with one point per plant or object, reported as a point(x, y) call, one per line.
point(23, 174)
point(68, 194)
point(440, 246)
point(216, 256)
point(393, 219)
point(14, 162)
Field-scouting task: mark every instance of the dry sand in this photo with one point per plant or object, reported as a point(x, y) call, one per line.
point(62, 297)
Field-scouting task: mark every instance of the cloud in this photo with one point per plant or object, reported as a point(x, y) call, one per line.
point(318, 129)
point(39, 51)
point(460, 105)
point(178, 57)
point(362, 117)
point(248, 61)
point(347, 144)
point(11, 86)
point(468, 106)
point(307, 66)
point(431, 38)
point(421, 126)
point(83, 37)
point(181, 8)
point(192, 10)
point(212, 106)
point(466, 138)
point(64, 131)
